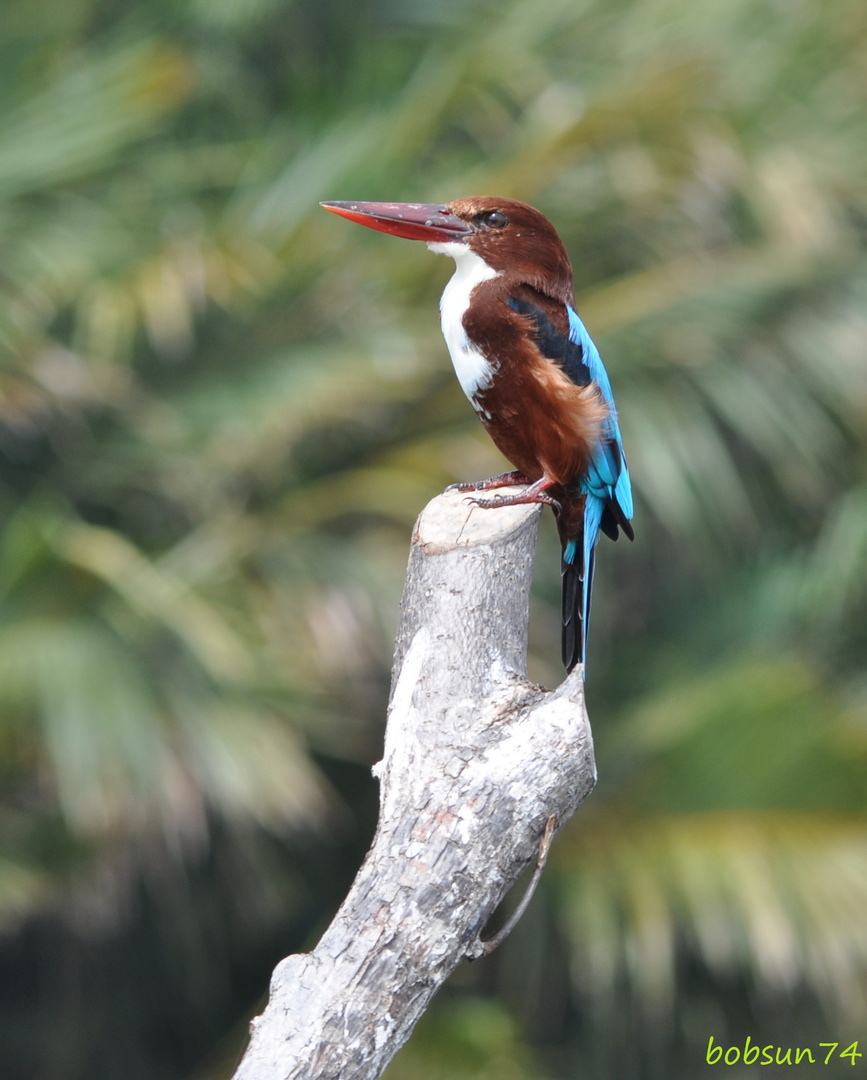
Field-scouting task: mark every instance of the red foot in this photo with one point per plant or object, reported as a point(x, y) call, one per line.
point(535, 493)
point(506, 479)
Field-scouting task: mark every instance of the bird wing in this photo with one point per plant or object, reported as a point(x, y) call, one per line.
point(607, 477)
point(607, 491)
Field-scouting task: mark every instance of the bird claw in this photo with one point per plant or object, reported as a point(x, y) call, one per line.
point(499, 501)
point(507, 479)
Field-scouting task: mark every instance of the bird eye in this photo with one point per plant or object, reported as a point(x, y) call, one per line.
point(493, 219)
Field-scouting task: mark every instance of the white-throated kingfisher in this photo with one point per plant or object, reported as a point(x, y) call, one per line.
point(527, 364)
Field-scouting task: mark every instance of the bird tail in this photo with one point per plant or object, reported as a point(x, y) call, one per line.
point(578, 525)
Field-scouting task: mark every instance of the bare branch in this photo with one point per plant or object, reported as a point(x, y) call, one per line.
point(477, 762)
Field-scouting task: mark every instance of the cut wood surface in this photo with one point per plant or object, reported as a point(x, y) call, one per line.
point(476, 761)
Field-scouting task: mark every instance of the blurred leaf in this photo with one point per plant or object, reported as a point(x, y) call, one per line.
point(82, 120)
point(780, 896)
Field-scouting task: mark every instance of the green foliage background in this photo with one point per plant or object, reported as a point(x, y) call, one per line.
point(221, 410)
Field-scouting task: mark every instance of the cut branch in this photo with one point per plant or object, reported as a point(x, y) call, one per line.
point(477, 761)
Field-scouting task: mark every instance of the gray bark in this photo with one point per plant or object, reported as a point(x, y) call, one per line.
point(476, 762)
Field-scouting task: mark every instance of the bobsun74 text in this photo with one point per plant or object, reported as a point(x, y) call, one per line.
point(753, 1054)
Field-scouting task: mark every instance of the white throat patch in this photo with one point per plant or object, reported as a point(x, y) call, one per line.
point(474, 371)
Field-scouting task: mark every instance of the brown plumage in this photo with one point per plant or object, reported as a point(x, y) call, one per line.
point(539, 419)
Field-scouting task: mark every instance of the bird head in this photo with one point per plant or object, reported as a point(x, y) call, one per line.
point(512, 238)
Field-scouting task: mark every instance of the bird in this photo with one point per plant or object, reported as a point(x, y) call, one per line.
point(530, 370)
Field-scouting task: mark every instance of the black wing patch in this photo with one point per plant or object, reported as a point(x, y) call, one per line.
point(567, 354)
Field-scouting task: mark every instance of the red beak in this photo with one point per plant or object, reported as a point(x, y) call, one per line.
point(414, 221)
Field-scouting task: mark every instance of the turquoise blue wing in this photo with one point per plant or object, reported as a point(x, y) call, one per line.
point(607, 478)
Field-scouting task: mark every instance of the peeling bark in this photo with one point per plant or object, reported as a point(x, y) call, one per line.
point(476, 761)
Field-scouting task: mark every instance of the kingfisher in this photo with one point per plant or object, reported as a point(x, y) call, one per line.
point(530, 370)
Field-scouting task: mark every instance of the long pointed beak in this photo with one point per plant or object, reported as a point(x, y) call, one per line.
point(414, 221)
